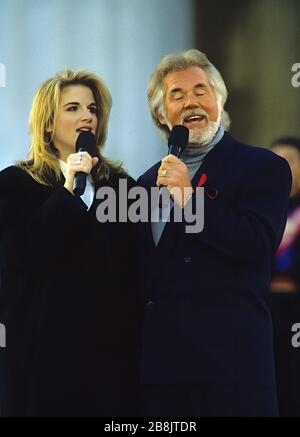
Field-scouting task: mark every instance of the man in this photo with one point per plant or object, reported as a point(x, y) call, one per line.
point(285, 286)
point(208, 333)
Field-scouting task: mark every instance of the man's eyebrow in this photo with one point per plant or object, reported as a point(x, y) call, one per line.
point(175, 90)
point(201, 85)
point(180, 90)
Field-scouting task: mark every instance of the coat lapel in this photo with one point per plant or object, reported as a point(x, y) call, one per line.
point(209, 172)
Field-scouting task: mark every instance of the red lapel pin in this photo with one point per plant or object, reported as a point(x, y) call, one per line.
point(211, 193)
point(202, 180)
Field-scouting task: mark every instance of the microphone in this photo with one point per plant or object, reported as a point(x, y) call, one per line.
point(86, 142)
point(178, 140)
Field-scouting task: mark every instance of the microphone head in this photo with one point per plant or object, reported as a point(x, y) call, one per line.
point(179, 136)
point(86, 141)
point(178, 139)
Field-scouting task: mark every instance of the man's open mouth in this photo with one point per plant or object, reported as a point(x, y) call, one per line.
point(194, 119)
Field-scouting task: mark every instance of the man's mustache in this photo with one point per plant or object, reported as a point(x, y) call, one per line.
point(189, 113)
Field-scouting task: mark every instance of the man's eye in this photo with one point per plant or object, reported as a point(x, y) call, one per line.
point(177, 97)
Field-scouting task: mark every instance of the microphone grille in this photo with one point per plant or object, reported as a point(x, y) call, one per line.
point(179, 136)
point(87, 141)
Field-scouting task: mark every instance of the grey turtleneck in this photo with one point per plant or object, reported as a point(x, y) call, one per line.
point(193, 158)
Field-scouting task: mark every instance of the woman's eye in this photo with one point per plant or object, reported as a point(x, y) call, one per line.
point(72, 108)
point(93, 110)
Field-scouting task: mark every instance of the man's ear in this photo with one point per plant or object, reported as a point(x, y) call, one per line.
point(161, 118)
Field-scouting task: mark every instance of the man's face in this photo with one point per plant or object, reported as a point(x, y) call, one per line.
point(190, 100)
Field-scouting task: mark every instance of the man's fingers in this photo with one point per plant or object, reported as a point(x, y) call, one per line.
point(170, 159)
point(165, 181)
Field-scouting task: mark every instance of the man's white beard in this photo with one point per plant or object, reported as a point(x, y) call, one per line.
point(204, 136)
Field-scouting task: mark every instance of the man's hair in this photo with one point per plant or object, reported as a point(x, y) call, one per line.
point(178, 62)
point(287, 141)
point(43, 155)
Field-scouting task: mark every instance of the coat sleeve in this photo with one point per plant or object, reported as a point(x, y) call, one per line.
point(33, 220)
point(253, 226)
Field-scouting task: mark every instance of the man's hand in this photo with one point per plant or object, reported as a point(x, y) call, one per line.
point(174, 175)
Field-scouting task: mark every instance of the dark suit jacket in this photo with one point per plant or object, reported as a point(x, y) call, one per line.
point(69, 302)
point(207, 319)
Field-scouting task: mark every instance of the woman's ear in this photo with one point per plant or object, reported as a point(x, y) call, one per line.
point(49, 127)
point(47, 137)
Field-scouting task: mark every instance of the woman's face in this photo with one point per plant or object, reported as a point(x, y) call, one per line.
point(76, 113)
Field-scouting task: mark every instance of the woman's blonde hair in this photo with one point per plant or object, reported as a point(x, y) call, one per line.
point(43, 162)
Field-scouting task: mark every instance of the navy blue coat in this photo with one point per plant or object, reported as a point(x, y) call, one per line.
point(69, 300)
point(207, 317)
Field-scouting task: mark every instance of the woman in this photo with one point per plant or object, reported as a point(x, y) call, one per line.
point(69, 298)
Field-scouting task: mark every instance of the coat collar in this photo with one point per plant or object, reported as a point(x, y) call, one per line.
point(210, 169)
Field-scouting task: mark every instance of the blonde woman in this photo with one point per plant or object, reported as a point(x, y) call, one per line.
point(69, 299)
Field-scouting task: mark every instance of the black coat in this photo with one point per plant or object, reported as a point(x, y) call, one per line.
point(69, 302)
point(207, 318)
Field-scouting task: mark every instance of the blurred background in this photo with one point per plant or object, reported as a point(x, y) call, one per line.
point(254, 44)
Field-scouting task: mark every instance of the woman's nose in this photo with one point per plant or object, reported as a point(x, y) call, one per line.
point(87, 115)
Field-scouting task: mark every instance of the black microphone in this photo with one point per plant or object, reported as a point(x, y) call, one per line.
point(86, 142)
point(178, 140)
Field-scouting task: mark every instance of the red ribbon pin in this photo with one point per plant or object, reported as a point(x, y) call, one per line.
point(202, 180)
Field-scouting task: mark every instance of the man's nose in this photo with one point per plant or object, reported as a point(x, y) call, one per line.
point(191, 102)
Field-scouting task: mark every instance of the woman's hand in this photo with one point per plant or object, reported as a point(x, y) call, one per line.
point(77, 162)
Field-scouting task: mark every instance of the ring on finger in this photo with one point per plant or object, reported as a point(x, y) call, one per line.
point(164, 173)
